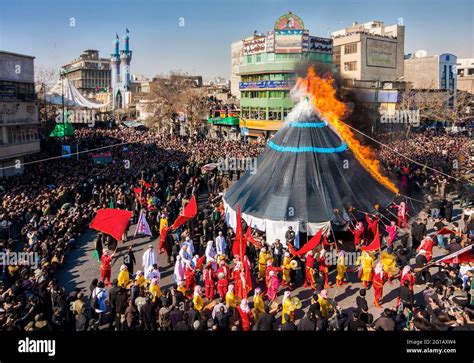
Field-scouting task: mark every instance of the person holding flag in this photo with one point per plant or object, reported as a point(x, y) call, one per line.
point(106, 266)
point(309, 266)
point(286, 266)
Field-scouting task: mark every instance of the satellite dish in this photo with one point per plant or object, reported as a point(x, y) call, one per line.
point(420, 53)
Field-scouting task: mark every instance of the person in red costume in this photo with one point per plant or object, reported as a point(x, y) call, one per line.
point(269, 269)
point(239, 287)
point(402, 214)
point(309, 266)
point(273, 285)
point(245, 315)
point(190, 277)
point(358, 233)
point(248, 275)
point(426, 248)
point(378, 280)
point(371, 227)
point(222, 284)
point(323, 267)
point(407, 274)
point(209, 281)
point(224, 269)
point(106, 266)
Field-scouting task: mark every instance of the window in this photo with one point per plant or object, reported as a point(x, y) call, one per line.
point(350, 66)
point(249, 59)
point(274, 114)
point(350, 48)
point(258, 58)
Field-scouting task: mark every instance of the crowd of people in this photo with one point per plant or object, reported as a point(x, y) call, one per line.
point(53, 202)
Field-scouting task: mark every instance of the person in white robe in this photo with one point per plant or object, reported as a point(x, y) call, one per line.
point(149, 258)
point(220, 244)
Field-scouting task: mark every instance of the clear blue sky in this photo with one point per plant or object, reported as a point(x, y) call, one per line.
point(41, 27)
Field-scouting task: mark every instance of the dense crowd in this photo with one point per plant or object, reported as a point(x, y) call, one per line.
point(53, 202)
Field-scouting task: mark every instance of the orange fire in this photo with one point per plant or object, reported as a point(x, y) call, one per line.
point(324, 99)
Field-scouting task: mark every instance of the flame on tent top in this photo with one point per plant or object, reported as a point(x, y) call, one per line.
point(324, 99)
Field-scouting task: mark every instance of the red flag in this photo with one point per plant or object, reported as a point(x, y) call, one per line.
point(189, 212)
point(292, 249)
point(200, 261)
point(311, 244)
point(145, 184)
point(375, 244)
point(239, 246)
point(112, 221)
point(164, 233)
point(464, 255)
point(249, 238)
point(138, 191)
point(445, 230)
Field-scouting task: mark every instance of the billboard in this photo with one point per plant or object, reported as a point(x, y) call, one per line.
point(320, 45)
point(271, 41)
point(16, 68)
point(255, 45)
point(288, 41)
point(381, 53)
point(267, 84)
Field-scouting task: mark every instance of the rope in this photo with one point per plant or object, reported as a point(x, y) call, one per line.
point(400, 154)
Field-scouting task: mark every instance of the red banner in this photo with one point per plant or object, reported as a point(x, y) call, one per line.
point(112, 221)
point(375, 244)
point(189, 212)
point(310, 245)
point(239, 247)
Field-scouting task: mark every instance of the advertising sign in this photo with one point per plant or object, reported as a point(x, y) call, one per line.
point(266, 84)
point(381, 53)
point(288, 41)
point(320, 45)
point(271, 41)
point(255, 45)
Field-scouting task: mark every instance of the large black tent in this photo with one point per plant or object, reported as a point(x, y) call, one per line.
point(303, 175)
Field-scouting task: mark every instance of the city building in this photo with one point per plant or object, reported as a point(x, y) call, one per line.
point(465, 74)
point(19, 114)
point(265, 67)
point(437, 72)
point(89, 73)
point(370, 51)
point(121, 76)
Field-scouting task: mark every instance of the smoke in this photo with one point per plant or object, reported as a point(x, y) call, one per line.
point(304, 110)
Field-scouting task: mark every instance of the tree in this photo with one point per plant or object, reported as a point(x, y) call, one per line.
point(172, 95)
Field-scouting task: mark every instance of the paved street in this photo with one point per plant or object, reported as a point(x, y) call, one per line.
point(80, 268)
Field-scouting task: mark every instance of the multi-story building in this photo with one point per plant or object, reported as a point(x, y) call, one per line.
point(19, 116)
point(265, 67)
point(437, 72)
point(370, 51)
point(89, 73)
point(465, 76)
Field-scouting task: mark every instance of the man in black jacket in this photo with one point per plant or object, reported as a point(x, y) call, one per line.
point(129, 260)
point(406, 295)
point(120, 303)
point(112, 294)
point(223, 318)
point(148, 316)
point(418, 232)
point(266, 321)
point(289, 325)
point(307, 323)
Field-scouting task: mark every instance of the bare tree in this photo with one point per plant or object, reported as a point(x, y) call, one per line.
point(170, 95)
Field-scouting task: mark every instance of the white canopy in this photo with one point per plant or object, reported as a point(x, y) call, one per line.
point(72, 96)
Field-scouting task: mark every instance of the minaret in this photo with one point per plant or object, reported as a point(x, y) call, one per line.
point(115, 69)
point(125, 58)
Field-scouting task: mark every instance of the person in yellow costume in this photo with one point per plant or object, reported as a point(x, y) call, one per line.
point(263, 256)
point(324, 304)
point(182, 288)
point(366, 264)
point(288, 307)
point(258, 304)
point(197, 299)
point(154, 289)
point(140, 278)
point(389, 262)
point(123, 277)
point(230, 299)
point(286, 266)
point(341, 268)
point(163, 222)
